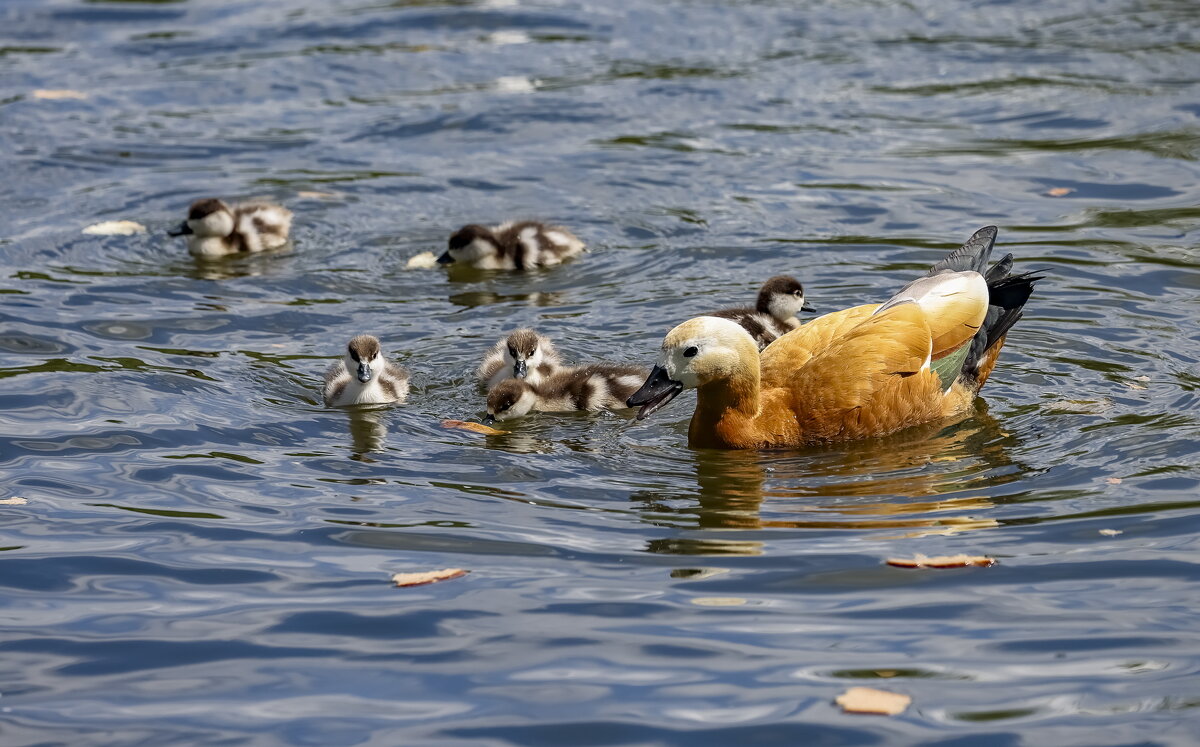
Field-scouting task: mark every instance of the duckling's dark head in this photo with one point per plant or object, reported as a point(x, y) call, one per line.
point(206, 217)
point(362, 352)
point(524, 348)
point(782, 297)
point(510, 398)
point(462, 246)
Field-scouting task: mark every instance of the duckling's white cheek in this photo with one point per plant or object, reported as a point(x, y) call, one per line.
point(214, 224)
point(783, 307)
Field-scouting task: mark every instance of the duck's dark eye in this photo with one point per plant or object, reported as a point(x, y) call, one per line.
point(512, 352)
point(691, 352)
point(797, 293)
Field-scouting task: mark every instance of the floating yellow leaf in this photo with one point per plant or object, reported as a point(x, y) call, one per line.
point(1059, 191)
point(16, 500)
point(870, 700)
point(115, 228)
point(486, 430)
point(942, 561)
point(308, 195)
point(1113, 480)
point(1110, 532)
point(427, 577)
point(718, 601)
point(54, 94)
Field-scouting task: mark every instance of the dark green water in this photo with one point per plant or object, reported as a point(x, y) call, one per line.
point(204, 554)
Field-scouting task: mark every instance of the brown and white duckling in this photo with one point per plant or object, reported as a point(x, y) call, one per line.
point(774, 313)
point(524, 354)
point(364, 376)
point(515, 245)
point(599, 386)
point(215, 229)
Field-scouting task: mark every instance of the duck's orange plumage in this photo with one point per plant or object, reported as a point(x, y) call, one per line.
point(862, 372)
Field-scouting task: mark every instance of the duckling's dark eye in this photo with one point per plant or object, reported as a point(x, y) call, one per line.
point(797, 293)
point(512, 352)
point(691, 352)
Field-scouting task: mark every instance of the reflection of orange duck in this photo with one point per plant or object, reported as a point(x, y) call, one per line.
point(866, 371)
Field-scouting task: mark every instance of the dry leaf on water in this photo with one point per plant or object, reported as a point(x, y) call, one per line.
point(1059, 191)
point(428, 577)
point(309, 195)
point(870, 700)
point(1110, 532)
point(422, 261)
point(486, 430)
point(1113, 480)
point(16, 500)
point(942, 561)
point(115, 228)
point(55, 94)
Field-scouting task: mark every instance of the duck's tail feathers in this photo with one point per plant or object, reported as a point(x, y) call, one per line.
point(1007, 295)
point(972, 255)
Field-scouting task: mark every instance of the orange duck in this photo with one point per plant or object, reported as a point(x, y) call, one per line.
point(858, 373)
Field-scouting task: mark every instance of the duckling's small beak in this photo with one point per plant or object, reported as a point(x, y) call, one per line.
point(520, 369)
point(364, 372)
point(445, 259)
point(489, 419)
point(806, 306)
point(183, 229)
point(658, 390)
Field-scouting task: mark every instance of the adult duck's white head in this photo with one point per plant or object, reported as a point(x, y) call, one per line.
point(470, 244)
point(364, 358)
point(700, 351)
point(206, 218)
point(782, 297)
point(509, 399)
point(525, 349)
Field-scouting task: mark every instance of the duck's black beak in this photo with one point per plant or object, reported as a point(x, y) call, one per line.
point(489, 419)
point(520, 369)
point(364, 372)
point(658, 390)
point(183, 229)
point(806, 306)
point(445, 259)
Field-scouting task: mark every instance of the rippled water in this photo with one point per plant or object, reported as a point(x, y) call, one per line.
point(205, 551)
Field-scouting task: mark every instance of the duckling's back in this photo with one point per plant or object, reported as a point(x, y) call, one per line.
point(263, 226)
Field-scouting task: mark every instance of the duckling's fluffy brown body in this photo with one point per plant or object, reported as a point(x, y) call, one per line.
point(215, 229)
point(364, 376)
point(515, 245)
point(592, 387)
point(774, 312)
point(523, 354)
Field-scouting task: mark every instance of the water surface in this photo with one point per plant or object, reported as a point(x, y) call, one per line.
point(204, 553)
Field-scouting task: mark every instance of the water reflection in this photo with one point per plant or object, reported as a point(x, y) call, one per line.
point(787, 489)
point(368, 430)
point(239, 266)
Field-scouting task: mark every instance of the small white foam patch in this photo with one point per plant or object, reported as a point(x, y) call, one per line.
point(422, 261)
point(515, 84)
point(509, 36)
point(115, 228)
